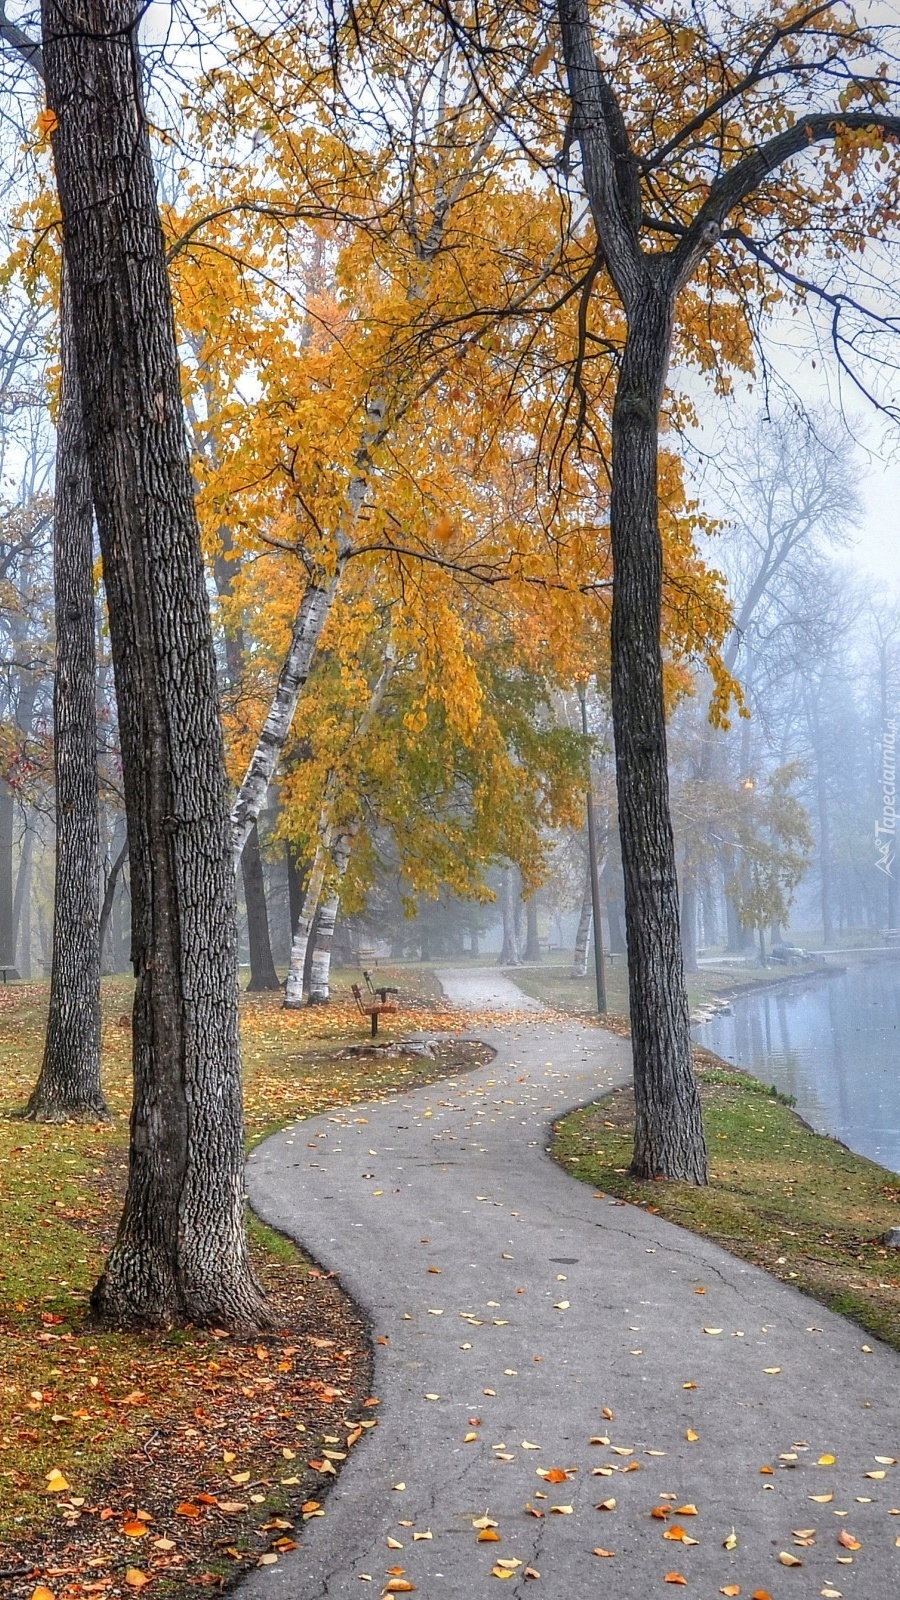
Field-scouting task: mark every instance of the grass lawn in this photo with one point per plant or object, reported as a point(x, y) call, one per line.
point(787, 1199)
point(176, 1426)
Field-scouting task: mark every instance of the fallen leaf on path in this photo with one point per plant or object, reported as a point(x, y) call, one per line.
point(708, 1330)
point(42, 1593)
point(488, 1536)
point(787, 1560)
point(691, 1436)
point(609, 1417)
point(135, 1529)
point(425, 1534)
point(393, 1544)
point(610, 1554)
point(399, 1586)
point(675, 1577)
point(484, 1522)
point(731, 1589)
point(690, 1510)
point(136, 1579)
point(606, 1505)
point(826, 1461)
point(875, 1474)
point(887, 1461)
point(730, 1542)
point(56, 1482)
point(822, 1499)
point(552, 1474)
point(563, 1511)
point(847, 1540)
point(531, 1572)
point(661, 1512)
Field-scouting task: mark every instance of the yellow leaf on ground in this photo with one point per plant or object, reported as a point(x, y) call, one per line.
point(675, 1577)
point(135, 1529)
point(731, 1589)
point(488, 1536)
point(730, 1542)
point(56, 1483)
point(787, 1560)
point(42, 1593)
point(822, 1499)
point(690, 1510)
point(691, 1436)
point(826, 1461)
point(609, 1553)
point(136, 1579)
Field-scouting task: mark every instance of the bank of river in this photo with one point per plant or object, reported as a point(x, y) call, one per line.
point(833, 1043)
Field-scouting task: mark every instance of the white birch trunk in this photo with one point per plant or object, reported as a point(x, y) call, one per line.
point(579, 964)
point(320, 968)
point(293, 993)
point(312, 615)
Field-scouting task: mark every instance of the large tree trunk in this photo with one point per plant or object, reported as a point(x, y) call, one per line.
point(263, 976)
point(181, 1249)
point(689, 920)
point(68, 1088)
point(669, 1140)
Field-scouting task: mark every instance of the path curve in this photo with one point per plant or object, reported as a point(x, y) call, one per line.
point(548, 1304)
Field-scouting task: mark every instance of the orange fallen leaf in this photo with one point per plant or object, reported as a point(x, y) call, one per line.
point(691, 1436)
point(555, 1475)
point(847, 1540)
point(760, 1594)
point(675, 1577)
point(42, 1593)
point(488, 1536)
point(731, 1589)
point(609, 1417)
point(675, 1532)
point(136, 1579)
point(399, 1586)
point(134, 1529)
point(661, 1512)
point(188, 1509)
point(601, 1552)
point(690, 1510)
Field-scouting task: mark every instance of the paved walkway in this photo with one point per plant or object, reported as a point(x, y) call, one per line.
point(519, 1309)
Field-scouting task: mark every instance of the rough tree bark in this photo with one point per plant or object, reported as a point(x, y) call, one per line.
point(109, 895)
point(68, 1088)
point(181, 1249)
point(669, 1139)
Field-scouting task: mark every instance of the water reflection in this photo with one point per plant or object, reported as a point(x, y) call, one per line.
point(832, 1043)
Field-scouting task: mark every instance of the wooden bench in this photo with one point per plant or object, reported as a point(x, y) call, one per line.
point(373, 1008)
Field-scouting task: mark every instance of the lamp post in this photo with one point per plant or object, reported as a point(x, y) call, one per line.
point(599, 965)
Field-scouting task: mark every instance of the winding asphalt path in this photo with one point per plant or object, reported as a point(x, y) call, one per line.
point(517, 1306)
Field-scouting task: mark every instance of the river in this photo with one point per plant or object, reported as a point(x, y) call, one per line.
point(831, 1042)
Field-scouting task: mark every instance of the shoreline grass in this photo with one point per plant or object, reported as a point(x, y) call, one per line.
point(794, 1202)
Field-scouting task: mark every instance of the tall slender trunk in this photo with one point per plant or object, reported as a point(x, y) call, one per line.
point(7, 928)
point(22, 904)
point(583, 931)
point(532, 937)
point(689, 919)
point(68, 1087)
point(510, 955)
point(109, 895)
point(669, 1138)
point(263, 977)
point(323, 934)
point(181, 1248)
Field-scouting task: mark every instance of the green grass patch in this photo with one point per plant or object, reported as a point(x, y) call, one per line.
point(792, 1201)
point(555, 986)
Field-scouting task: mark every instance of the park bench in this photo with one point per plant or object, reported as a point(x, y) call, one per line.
point(10, 972)
point(374, 1008)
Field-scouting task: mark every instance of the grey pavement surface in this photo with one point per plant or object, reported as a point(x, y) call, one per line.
point(484, 989)
point(518, 1307)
